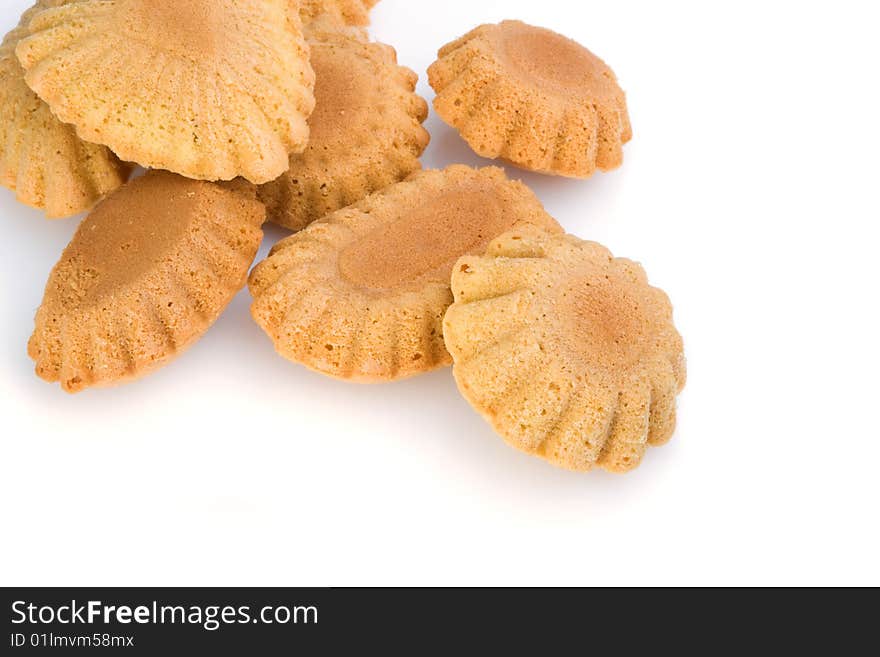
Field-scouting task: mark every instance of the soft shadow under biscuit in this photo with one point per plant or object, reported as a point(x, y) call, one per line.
point(566, 350)
point(360, 295)
point(42, 159)
point(147, 273)
point(209, 89)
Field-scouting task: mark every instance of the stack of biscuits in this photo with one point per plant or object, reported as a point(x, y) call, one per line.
point(248, 111)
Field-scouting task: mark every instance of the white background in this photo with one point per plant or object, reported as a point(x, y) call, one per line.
point(750, 195)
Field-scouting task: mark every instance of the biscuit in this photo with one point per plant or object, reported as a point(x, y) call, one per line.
point(534, 98)
point(147, 273)
point(41, 159)
point(360, 295)
point(566, 350)
point(342, 12)
point(326, 24)
point(209, 89)
point(366, 132)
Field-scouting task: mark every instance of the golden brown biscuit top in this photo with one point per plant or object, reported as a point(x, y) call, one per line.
point(543, 58)
point(345, 12)
point(605, 318)
point(345, 94)
point(131, 231)
point(194, 28)
point(599, 311)
point(423, 239)
point(366, 131)
point(209, 89)
point(427, 240)
point(568, 351)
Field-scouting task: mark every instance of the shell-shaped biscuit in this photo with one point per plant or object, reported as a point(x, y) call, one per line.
point(209, 89)
point(366, 132)
point(41, 159)
point(566, 350)
point(360, 295)
point(342, 12)
point(534, 98)
point(147, 273)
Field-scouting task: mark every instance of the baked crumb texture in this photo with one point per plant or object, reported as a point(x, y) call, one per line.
point(209, 89)
point(355, 13)
point(146, 274)
point(360, 295)
point(366, 132)
point(41, 159)
point(568, 352)
point(534, 98)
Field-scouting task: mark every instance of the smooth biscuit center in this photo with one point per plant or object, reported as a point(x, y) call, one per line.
point(551, 60)
point(424, 244)
point(340, 95)
point(124, 237)
point(606, 324)
point(186, 28)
